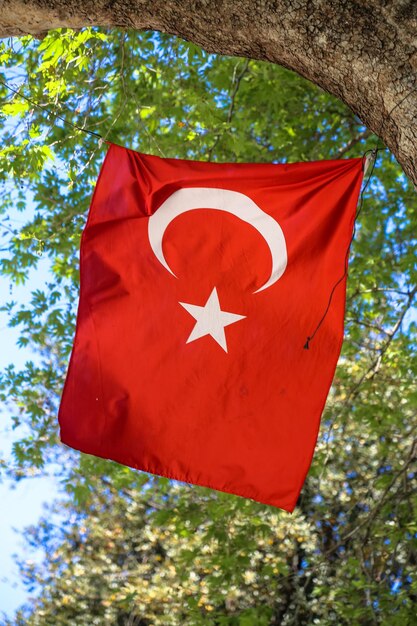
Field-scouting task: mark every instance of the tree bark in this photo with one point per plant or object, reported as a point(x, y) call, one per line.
point(362, 51)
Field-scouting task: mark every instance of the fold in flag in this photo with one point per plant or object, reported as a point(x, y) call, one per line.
point(200, 283)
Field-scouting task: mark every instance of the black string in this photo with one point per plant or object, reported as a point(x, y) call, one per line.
point(374, 153)
point(59, 117)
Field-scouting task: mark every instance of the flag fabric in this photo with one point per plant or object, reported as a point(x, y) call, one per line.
point(200, 283)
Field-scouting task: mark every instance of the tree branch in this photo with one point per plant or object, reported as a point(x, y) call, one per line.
point(352, 50)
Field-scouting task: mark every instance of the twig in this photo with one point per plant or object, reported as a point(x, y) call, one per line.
point(369, 374)
point(236, 80)
point(355, 140)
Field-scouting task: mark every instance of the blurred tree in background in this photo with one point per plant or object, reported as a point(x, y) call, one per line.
point(136, 550)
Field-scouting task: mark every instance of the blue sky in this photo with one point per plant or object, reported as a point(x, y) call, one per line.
point(21, 503)
point(21, 506)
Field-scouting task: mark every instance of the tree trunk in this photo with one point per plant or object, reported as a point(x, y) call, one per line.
point(362, 51)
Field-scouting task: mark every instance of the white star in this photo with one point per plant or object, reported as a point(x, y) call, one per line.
point(211, 320)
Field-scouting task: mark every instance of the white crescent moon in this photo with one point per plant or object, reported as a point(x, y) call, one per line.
point(238, 204)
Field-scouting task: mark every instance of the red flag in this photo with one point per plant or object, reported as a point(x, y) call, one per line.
point(200, 283)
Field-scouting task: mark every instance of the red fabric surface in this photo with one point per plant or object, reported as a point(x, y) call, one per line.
point(243, 421)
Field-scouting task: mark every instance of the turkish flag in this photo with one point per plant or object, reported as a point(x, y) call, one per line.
point(200, 283)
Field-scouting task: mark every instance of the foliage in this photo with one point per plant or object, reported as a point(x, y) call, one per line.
point(137, 550)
